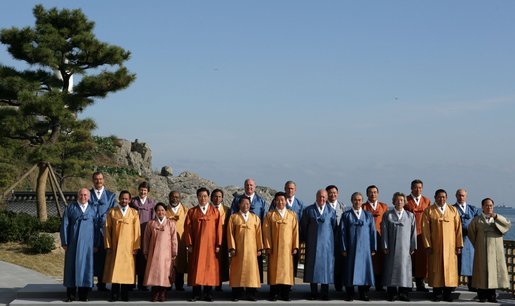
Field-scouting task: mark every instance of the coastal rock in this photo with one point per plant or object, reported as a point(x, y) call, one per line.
point(167, 171)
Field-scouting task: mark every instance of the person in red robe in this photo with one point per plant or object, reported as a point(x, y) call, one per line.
point(377, 209)
point(203, 237)
point(416, 204)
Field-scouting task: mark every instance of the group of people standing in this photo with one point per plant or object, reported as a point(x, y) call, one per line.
point(139, 241)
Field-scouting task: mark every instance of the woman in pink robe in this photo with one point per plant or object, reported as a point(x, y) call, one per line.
point(160, 250)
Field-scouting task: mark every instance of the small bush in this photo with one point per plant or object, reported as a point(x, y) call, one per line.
point(41, 243)
point(20, 226)
point(52, 225)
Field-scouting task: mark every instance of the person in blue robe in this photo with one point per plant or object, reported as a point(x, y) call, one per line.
point(318, 225)
point(339, 208)
point(257, 206)
point(297, 206)
point(103, 200)
point(467, 213)
point(358, 245)
point(79, 240)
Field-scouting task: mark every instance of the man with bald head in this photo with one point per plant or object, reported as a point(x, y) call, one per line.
point(318, 225)
point(257, 207)
point(467, 213)
point(79, 240)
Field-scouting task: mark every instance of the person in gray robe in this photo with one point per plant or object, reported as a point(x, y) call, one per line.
point(486, 234)
point(399, 241)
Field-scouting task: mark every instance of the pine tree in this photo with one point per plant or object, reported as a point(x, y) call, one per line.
point(39, 106)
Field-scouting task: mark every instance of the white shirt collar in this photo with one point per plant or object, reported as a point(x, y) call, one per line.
point(245, 215)
point(161, 221)
point(373, 204)
point(83, 207)
point(399, 213)
point(357, 212)
point(124, 210)
point(143, 201)
point(443, 208)
point(333, 205)
point(320, 209)
point(290, 201)
point(99, 192)
point(251, 196)
point(175, 208)
point(463, 206)
point(204, 208)
point(282, 212)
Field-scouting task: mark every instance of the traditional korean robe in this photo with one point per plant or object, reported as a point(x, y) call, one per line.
point(146, 214)
point(281, 236)
point(318, 235)
point(223, 255)
point(102, 205)
point(257, 206)
point(490, 270)
point(122, 239)
point(203, 233)
point(297, 207)
point(466, 259)
point(359, 241)
point(181, 262)
point(339, 208)
point(159, 247)
point(399, 236)
point(79, 235)
point(246, 239)
point(338, 258)
point(381, 209)
point(419, 258)
point(442, 233)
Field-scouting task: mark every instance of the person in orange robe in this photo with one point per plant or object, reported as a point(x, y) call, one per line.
point(177, 212)
point(203, 237)
point(377, 209)
point(416, 204)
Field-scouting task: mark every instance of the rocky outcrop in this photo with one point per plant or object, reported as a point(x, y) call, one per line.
point(138, 156)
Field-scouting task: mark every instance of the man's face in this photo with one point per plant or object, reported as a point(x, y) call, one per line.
point(321, 198)
point(416, 189)
point(203, 198)
point(98, 181)
point(372, 195)
point(244, 205)
point(175, 199)
point(440, 198)
point(143, 192)
point(290, 190)
point(357, 201)
point(461, 196)
point(488, 207)
point(280, 202)
point(83, 196)
point(332, 195)
point(217, 198)
point(124, 199)
point(250, 187)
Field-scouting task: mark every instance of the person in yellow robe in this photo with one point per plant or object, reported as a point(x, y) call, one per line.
point(281, 242)
point(245, 243)
point(486, 233)
point(122, 242)
point(177, 211)
point(443, 241)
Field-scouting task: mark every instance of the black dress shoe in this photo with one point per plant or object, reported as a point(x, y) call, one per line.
point(193, 299)
point(235, 300)
point(102, 288)
point(436, 299)
point(390, 298)
point(208, 298)
point(492, 300)
point(324, 297)
point(403, 297)
point(349, 298)
point(365, 298)
point(179, 288)
point(83, 299)
point(422, 289)
point(274, 298)
point(482, 300)
point(69, 299)
point(252, 298)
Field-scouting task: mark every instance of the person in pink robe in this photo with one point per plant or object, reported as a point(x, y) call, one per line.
point(160, 250)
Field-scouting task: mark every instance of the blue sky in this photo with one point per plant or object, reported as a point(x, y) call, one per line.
point(350, 93)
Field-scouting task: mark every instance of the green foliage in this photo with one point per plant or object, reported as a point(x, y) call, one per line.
point(52, 225)
point(38, 107)
point(41, 243)
point(105, 145)
point(17, 226)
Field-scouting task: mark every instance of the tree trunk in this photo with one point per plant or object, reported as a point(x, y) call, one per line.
point(41, 191)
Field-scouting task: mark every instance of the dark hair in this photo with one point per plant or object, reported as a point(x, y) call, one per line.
point(215, 191)
point(279, 194)
point(243, 197)
point(417, 181)
point(440, 191)
point(372, 186)
point(97, 173)
point(486, 199)
point(144, 185)
point(160, 204)
point(202, 189)
point(331, 187)
point(125, 192)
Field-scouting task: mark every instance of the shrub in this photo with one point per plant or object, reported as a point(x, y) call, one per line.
point(41, 243)
point(52, 225)
point(18, 226)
